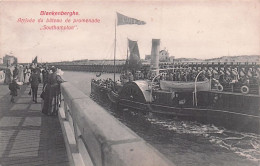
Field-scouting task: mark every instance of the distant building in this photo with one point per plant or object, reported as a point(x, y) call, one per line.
point(9, 60)
point(164, 56)
point(172, 58)
point(1, 60)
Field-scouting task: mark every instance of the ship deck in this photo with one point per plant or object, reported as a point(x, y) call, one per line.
point(218, 92)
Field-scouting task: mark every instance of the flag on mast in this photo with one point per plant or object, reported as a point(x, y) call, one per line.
point(122, 20)
point(133, 48)
point(134, 59)
point(35, 60)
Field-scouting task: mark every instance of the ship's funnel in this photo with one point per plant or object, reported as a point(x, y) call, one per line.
point(155, 56)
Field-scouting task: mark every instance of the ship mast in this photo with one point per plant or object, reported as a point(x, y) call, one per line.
point(127, 53)
point(115, 55)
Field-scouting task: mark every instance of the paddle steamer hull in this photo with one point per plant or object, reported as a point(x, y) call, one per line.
point(224, 109)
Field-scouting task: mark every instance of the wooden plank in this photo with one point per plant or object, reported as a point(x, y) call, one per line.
point(33, 138)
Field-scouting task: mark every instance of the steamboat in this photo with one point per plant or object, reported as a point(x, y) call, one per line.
point(204, 95)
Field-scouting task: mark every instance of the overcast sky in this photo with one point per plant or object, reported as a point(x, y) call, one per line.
point(186, 29)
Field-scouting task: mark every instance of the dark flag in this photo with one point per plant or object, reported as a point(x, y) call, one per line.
point(134, 58)
point(35, 60)
point(122, 20)
point(133, 48)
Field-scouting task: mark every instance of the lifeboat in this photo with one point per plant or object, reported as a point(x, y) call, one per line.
point(181, 86)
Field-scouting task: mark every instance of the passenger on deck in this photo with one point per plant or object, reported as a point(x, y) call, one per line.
point(202, 76)
point(130, 76)
point(178, 76)
point(163, 76)
point(193, 75)
point(208, 74)
point(243, 80)
point(254, 79)
point(171, 77)
point(223, 79)
point(123, 78)
point(184, 76)
point(174, 76)
point(189, 75)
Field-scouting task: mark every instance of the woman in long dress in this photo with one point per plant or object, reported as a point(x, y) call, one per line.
point(8, 75)
point(20, 74)
point(51, 93)
point(27, 75)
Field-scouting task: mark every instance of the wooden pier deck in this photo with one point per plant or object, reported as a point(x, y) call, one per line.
point(28, 137)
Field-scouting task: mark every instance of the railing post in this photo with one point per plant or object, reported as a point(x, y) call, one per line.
point(76, 134)
point(66, 110)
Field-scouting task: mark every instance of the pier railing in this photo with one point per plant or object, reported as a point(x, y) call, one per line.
point(94, 137)
point(226, 67)
point(92, 68)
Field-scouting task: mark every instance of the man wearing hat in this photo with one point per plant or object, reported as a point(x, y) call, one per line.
point(35, 80)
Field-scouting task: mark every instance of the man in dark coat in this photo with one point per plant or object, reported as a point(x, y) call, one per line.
point(15, 72)
point(35, 80)
point(38, 70)
point(45, 74)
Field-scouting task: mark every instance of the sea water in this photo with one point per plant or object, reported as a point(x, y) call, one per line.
point(185, 143)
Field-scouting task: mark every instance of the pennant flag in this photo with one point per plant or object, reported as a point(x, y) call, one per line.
point(122, 20)
point(35, 60)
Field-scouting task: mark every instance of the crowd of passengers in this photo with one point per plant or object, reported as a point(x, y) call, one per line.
point(108, 83)
point(185, 75)
point(188, 75)
point(225, 79)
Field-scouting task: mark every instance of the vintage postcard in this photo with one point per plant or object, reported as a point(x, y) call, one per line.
point(130, 83)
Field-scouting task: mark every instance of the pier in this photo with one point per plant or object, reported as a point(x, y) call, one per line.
point(28, 137)
point(213, 66)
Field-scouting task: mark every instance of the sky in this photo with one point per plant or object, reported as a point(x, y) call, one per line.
point(187, 29)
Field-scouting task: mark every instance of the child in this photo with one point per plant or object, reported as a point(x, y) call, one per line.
point(13, 86)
